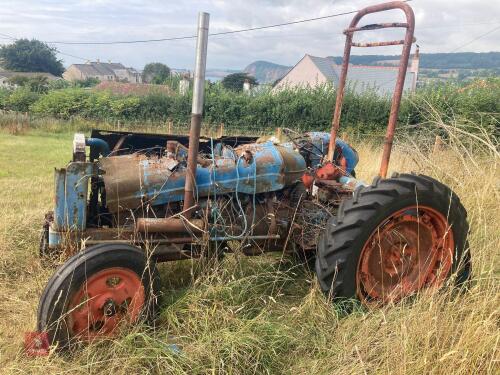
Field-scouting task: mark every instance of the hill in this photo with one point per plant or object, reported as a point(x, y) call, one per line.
point(266, 72)
point(461, 60)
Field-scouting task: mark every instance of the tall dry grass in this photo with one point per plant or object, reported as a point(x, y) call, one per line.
point(266, 314)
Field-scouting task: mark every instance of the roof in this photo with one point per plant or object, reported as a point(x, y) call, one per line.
point(99, 68)
point(381, 79)
point(377, 78)
point(8, 74)
point(326, 67)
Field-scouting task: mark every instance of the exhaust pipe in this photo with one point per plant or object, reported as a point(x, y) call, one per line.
point(169, 225)
point(196, 113)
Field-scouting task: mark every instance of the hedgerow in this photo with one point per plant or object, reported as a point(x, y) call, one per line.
point(305, 109)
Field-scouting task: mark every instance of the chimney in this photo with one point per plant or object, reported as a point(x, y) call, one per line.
point(184, 84)
point(246, 85)
point(414, 68)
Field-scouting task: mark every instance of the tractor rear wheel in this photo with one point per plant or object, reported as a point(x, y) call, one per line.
point(392, 239)
point(95, 292)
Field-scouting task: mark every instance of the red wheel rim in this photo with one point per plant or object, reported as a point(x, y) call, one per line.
point(107, 299)
point(411, 250)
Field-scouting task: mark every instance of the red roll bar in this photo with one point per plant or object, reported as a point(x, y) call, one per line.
point(403, 66)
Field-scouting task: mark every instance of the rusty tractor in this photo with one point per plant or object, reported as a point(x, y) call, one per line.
point(130, 200)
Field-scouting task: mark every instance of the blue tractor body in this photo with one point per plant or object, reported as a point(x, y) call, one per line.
point(126, 176)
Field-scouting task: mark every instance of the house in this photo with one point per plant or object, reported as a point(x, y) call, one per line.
point(6, 75)
point(103, 72)
point(312, 71)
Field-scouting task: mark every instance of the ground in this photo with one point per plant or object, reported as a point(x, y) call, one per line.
point(261, 314)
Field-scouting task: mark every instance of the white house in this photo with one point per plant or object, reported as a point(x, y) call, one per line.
point(312, 71)
point(103, 72)
point(6, 75)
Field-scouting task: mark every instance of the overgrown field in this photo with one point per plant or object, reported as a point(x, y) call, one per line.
point(265, 314)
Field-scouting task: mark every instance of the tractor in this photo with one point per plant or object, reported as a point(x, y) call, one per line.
point(128, 201)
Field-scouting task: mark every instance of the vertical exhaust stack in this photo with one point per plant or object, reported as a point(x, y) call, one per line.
point(196, 112)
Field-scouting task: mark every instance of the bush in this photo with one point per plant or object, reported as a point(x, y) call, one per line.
point(59, 84)
point(38, 83)
point(21, 99)
point(86, 83)
point(127, 107)
point(62, 103)
point(4, 96)
point(304, 109)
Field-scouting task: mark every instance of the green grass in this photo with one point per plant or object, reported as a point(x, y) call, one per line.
point(265, 314)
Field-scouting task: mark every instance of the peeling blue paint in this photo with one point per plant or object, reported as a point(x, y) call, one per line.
point(71, 190)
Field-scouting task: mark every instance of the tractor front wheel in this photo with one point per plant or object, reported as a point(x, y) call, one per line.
point(95, 292)
point(392, 239)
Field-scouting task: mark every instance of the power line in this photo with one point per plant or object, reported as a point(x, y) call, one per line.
point(7, 36)
point(453, 50)
point(316, 34)
point(476, 38)
point(10, 37)
point(211, 34)
point(76, 57)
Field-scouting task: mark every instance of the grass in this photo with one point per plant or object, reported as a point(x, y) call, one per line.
point(263, 314)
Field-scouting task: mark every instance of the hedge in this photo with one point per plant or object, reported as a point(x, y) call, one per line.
point(307, 109)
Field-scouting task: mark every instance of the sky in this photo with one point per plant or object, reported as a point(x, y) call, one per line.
point(441, 26)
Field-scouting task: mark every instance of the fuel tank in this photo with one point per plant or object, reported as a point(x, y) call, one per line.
point(136, 179)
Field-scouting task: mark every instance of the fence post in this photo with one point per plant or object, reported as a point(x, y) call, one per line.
point(169, 126)
point(221, 130)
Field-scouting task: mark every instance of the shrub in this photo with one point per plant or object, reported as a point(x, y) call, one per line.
point(4, 96)
point(62, 103)
point(304, 109)
point(59, 84)
point(127, 107)
point(86, 83)
point(21, 99)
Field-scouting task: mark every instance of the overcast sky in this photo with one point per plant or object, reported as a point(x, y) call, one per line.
point(441, 26)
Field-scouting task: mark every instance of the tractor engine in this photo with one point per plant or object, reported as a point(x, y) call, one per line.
point(266, 194)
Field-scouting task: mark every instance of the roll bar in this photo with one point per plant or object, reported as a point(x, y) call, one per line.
point(403, 66)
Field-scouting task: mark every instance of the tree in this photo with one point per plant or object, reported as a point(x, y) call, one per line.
point(155, 73)
point(234, 82)
point(30, 56)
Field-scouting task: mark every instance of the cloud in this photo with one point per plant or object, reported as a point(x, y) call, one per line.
point(441, 26)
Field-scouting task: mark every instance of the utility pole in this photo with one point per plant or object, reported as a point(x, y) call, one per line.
point(196, 112)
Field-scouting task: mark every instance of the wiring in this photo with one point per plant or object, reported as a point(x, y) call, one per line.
point(167, 39)
point(10, 37)
point(238, 31)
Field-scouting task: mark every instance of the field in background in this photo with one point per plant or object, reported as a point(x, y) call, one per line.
point(263, 314)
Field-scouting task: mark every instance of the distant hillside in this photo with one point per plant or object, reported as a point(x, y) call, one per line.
point(460, 60)
point(266, 72)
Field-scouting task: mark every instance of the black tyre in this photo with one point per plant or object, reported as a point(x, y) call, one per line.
point(95, 291)
point(392, 239)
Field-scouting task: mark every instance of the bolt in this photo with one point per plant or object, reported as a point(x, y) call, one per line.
point(109, 308)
